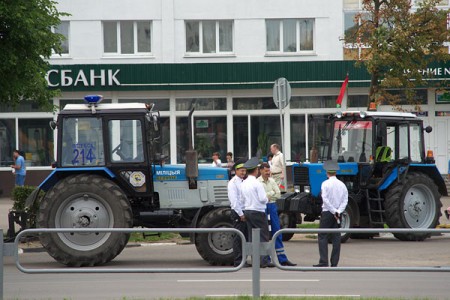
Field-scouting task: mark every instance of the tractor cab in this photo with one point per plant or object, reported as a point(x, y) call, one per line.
point(122, 140)
point(382, 160)
point(378, 142)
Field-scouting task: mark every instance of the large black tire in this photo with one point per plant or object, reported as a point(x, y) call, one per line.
point(287, 220)
point(216, 247)
point(347, 221)
point(413, 204)
point(84, 201)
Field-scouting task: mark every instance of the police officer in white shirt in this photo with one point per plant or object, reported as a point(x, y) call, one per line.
point(237, 207)
point(335, 199)
point(255, 201)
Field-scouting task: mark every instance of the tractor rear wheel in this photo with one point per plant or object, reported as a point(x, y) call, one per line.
point(347, 221)
point(216, 247)
point(413, 204)
point(84, 201)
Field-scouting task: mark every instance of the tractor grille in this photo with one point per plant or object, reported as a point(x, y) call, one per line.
point(220, 193)
point(301, 176)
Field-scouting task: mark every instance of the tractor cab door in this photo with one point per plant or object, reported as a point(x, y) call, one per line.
point(126, 154)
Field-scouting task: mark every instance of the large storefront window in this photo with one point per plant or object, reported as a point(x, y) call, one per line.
point(160, 104)
point(253, 103)
point(298, 145)
point(240, 137)
point(7, 141)
point(313, 102)
point(265, 130)
point(201, 104)
point(36, 141)
point(24, 106)
point(319, 132)
point(64, 102)
point(210, 135)
point(165, 138)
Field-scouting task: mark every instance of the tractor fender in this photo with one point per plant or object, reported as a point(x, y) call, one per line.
point(391, 177)
point(428, 169)
point(431, 171)
point(194, 223)
point(61, 173)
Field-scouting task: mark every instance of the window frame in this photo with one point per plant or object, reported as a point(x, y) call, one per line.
point(63, 54)
point(200, 52)
point(135, 38)
point(298, 38)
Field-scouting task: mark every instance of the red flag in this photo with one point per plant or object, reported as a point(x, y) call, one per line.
point(342, 92)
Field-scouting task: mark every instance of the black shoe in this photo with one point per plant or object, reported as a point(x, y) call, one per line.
point(267, 265)
point(334, 266)
point(320, 266)
point(247, 265)
point(288, 263)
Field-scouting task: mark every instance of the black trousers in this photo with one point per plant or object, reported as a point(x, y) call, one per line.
point(327, 220)
point(257, 219)
point(237, 242)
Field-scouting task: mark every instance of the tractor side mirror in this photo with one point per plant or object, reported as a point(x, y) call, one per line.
point(53, 124)
point(428, 129)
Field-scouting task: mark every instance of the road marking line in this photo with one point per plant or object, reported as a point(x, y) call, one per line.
point(288, 295)
point(247, 280)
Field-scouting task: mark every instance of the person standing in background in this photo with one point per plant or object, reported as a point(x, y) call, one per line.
point(255, 201)
point(335, 199)
point(277, 164)
point(269, 160)
point(19, 168)
point(237, 213)
point(216, 160)
point(273, 193)
point(230, 161)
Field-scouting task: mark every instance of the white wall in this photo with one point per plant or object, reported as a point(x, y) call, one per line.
point(168, 16)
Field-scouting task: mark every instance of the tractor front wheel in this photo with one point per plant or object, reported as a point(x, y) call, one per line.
point(84, 201)
point(216, 247)
point(415, 203)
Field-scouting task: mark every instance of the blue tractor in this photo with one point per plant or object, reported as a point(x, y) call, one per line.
point(390, 178)
point(110, 173)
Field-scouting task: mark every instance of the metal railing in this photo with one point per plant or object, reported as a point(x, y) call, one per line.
point(254, 249)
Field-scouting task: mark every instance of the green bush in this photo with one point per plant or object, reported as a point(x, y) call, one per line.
point(19, 196)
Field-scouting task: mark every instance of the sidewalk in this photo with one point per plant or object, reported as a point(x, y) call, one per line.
point(5, 206)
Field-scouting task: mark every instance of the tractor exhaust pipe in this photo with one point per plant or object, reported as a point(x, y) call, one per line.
point(191, 156)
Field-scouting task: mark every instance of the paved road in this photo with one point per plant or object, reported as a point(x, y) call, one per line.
point(381, 251)
point(384, 251)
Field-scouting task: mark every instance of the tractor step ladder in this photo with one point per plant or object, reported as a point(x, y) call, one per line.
point(375, 207)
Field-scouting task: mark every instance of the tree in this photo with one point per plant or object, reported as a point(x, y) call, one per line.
point(401, 42)
point(26, 42)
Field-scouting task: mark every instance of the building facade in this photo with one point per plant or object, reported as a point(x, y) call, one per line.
point(221, 59)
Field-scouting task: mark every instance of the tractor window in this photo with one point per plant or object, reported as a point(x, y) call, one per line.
point(352, 141)
point(82, 142)
point(125, 137)
point(415, 142)
point(403, 141)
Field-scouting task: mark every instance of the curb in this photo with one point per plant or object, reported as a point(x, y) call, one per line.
point(131, 245)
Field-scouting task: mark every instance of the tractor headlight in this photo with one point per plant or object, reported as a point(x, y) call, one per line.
point(307, 189)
